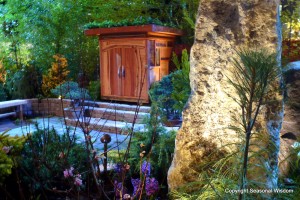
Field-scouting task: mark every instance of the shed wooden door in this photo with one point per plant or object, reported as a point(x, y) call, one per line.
point(123, 70)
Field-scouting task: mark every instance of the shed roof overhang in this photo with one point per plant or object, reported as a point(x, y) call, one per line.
point(149, 30)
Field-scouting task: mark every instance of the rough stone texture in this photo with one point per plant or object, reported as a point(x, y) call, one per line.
point(223, 26)
point(46, 107)
point(291, 122)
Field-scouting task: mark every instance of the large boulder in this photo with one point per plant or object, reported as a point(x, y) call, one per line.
point(222, 27)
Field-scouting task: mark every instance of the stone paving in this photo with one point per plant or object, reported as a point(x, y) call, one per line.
point(6, 124)
point(58, 124)
point(24, 128)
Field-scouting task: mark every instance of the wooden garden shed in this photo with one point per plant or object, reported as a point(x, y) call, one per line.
point(132, 58)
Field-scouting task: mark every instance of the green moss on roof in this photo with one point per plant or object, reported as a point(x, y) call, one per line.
point(136, 22)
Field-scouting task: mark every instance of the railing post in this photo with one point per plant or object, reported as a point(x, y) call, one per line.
point(105, 139)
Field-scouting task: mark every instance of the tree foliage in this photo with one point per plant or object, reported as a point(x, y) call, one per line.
point(290, 18)
point(45, 28)
point(25, 83)
point(179, 13)
point(35, 30)
point(56, 75)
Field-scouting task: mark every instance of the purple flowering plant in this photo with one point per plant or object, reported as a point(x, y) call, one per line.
point(146, 168)
point(120, 189)
point(144, 186)
point(145, 183)
point(151, 186)
point(136, 183)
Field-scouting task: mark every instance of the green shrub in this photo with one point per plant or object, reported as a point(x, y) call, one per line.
point(94, 90)
point(10, 151)
point(114, 156)
point(294, 172)
point(172, 92)
point(160, 94)
point(25, 83)
point(158, 144)
point(46, 155)
point(56, 75)
point(70, 90)
point(3, 95)
point(181, 81)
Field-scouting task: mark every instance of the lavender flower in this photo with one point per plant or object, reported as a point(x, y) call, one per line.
point(136, 186)
point(152, 186)
point(146, 168)
point(120, 189)
point(118, 168)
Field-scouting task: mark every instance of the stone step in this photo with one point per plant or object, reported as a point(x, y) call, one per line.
point(104, 125)
point(116, 115)
point(105, 113)
point(117, 106)
point(107, 117)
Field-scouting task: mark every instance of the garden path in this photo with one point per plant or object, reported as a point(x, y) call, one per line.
point(6, 123)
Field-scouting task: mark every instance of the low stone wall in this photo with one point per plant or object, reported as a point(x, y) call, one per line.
point(46, 107)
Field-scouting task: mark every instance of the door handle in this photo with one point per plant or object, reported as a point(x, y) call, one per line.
point(123, 71)
point(119, 71)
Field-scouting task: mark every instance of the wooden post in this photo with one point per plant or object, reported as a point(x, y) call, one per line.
point(21, 112)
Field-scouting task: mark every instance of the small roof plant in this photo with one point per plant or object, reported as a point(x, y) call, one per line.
point(127, 22)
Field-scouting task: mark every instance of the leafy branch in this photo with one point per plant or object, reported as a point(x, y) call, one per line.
point(253, 73)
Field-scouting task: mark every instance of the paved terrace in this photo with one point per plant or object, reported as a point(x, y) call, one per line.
point(106, 118)
point(57, 123)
